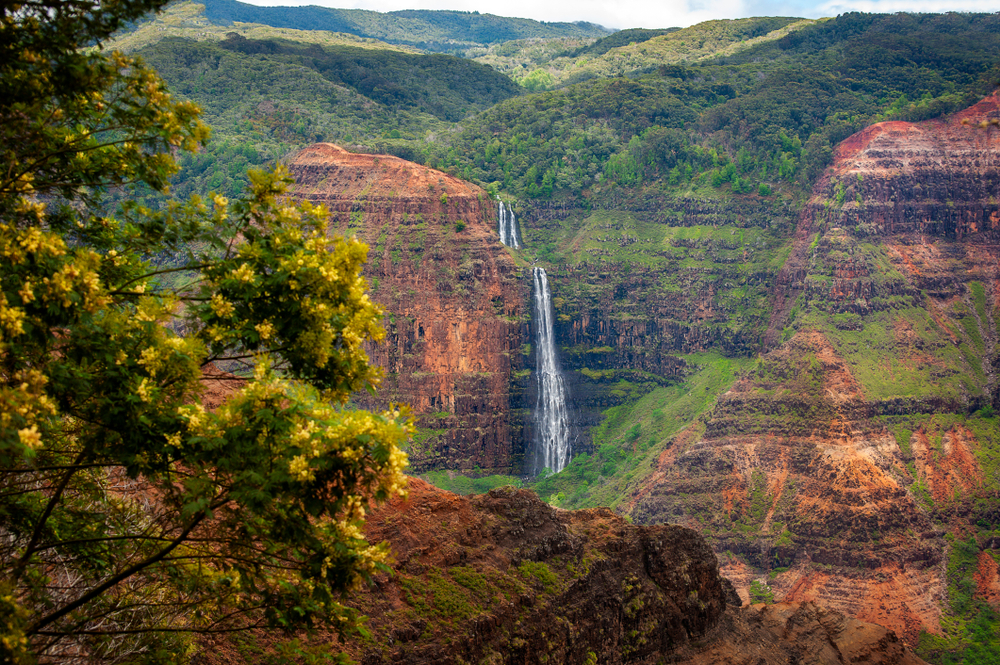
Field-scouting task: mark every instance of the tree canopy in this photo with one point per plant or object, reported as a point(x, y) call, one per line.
point(132, 518)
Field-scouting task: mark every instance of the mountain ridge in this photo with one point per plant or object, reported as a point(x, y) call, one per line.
point(434, 30)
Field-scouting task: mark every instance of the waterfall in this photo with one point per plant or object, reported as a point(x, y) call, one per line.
point(552, 433)
point(508, 226)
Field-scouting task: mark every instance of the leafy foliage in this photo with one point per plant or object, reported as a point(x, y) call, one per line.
point(444, 86)
point(769, 114)
point(131, 517)
point(618, 39)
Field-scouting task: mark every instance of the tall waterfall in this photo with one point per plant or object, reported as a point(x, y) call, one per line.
point(508, 226)
point(552, 429)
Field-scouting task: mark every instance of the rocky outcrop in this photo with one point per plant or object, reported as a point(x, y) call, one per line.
point(453, 296)
point(804, 633)
point(504, 578)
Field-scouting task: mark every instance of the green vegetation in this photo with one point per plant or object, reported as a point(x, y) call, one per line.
point(187, 19)
point(619, 39)
point(135, 520)
point(460, 484)
point(633, 52)
point(265, 95)
point(971, 627)
point(426, 29)
point(760, 592)
point(769, 114)
point(632, 436)
point(540, 572)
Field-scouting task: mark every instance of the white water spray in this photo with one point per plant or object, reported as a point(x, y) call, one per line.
point(508, 226)
point(552, 434)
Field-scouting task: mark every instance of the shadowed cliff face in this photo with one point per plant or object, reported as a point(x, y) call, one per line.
point(504, 578)
point(453, 298)
point(839, 455)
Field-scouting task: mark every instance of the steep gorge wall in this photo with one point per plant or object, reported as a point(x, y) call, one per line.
point(851, 448)
point(647, 280)
point(454, 300)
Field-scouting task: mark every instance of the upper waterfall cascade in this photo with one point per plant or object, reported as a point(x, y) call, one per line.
point(552, 433)
point(508, 226)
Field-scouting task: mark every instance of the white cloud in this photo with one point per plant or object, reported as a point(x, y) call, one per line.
point(916, 6)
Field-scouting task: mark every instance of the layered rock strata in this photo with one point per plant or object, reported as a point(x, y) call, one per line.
point(926, 192)
point(838, 461)
point(792, 471)
point(453, 296)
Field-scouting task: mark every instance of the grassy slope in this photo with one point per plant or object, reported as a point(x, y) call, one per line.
point(633, 436)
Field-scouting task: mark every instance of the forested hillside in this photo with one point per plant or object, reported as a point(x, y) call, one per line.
point(265, 97)
point(768, 116)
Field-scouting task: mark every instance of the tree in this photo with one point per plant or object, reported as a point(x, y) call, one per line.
point(132, 519)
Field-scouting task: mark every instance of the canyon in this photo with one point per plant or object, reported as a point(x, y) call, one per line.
point(844, 456)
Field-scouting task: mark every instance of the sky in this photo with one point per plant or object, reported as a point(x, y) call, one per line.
point(620, 14)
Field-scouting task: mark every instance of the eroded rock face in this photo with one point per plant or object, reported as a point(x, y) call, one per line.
point(927, 192)
point(835, 458)
point(453, 296)
point(804, 633)
point(792, 471)
point(504, 578)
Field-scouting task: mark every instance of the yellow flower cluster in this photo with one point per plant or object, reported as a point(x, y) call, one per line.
point(265, 330)
point(30, 437)
point(243, 274)
point(76, 276)
point(16, 244)
point(222, 307)
point(24, 404)
point(144, 390)
point(151, 309)
point(11, 320)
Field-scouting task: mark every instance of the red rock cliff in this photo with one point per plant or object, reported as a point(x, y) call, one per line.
point(838, 458)
point(453, 298)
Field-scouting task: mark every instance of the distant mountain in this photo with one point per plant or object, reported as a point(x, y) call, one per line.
point(426, 29)
point(620, 38)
